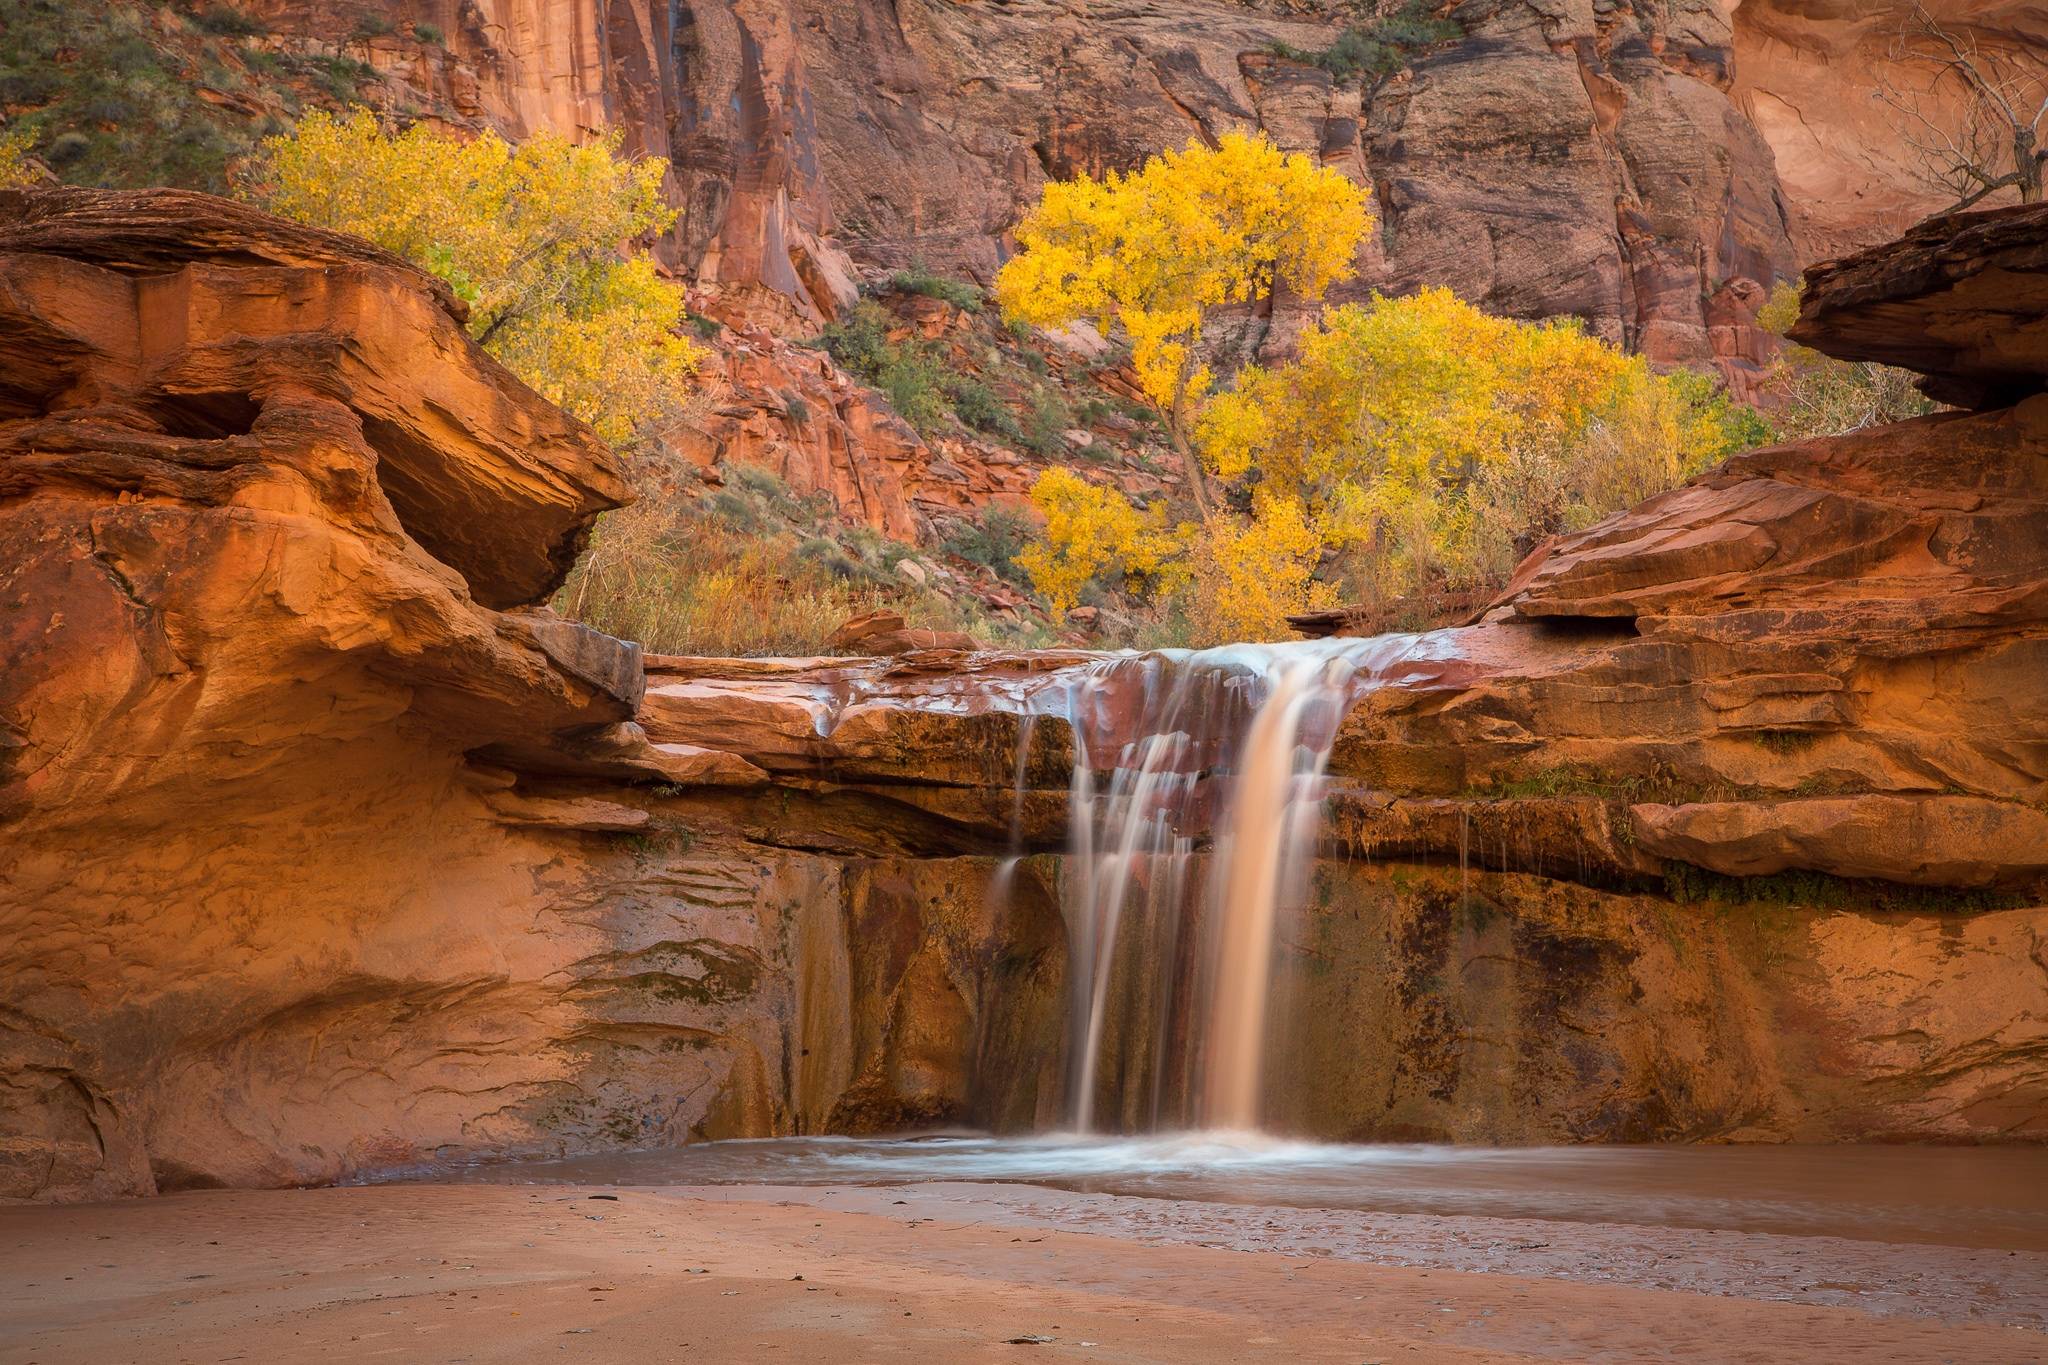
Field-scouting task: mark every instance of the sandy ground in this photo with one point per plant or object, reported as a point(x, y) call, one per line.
point(439, 1273)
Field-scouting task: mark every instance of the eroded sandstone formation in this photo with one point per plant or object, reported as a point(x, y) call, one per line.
point(314, 855)
point(1652, 169)
point(323, 851)
point(1806, 73)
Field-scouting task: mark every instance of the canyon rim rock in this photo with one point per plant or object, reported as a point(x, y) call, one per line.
point(323, 851)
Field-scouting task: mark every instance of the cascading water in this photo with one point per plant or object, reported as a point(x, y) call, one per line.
point(1198, 788)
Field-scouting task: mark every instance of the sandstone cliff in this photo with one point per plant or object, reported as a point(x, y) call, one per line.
point(323, 854)
point(1566, 159)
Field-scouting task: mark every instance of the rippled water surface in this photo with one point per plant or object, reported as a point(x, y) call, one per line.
point(1958, 1196)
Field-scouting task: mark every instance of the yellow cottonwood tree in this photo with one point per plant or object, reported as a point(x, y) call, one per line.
point(529, 236)
point(15, 170)
point(1249, 574)
point(1157, 250)
point(1435, 440)
point(1088, 530)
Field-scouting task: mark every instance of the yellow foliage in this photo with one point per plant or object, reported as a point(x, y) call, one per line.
point(15, 170)
point(1088, 531)
point(1436, 443)
point(1251, 574)
point(1781, 309)
point(1155, 250)
point(1416, 388)
point(529, 236)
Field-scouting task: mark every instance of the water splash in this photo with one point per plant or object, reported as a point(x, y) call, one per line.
point(1176, 752)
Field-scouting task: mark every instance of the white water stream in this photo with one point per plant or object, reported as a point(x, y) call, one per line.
point(1178, 753)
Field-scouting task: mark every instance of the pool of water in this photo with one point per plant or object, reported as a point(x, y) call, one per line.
point(1993, 1197)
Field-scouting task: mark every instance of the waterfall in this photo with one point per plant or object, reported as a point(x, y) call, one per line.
point(1198, 786)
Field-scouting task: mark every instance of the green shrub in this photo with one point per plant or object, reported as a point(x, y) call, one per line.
point(912, 379)
point(977, 405)
point(914, 383)
point(225, 22)
point(1050, 417)
point(918, 280)
point(1380, 47)
point(429, 34)
point(993, 541)
point(859, 341)
point(344, 76)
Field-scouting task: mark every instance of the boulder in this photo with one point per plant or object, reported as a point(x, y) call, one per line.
point(884, 632)
point(1961, 300)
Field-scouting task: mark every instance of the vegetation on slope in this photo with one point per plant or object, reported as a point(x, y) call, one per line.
point(751, 568)
point(1406, 458)
point(123, 95)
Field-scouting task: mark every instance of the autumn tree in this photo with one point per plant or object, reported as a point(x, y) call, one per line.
point(1414, 450)
point(1433, 443)
point(1159, 250)
point(1089, 531)
point(532, 237)
point(1971, 115)
point(16, 170)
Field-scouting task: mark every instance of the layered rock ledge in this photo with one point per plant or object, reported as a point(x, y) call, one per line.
point(323, 851)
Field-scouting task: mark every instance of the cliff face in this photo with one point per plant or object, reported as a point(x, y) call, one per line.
point(1559, 159)
point(290, 881)
point(322, 853)
point(1806, 74)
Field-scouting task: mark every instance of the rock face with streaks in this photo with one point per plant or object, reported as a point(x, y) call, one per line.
point(1558, 159)
point(323, 850)
point(1652, 169)
point(1806, 75)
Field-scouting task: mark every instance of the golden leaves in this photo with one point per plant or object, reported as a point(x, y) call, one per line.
point(1191, 231)
point(529, 236)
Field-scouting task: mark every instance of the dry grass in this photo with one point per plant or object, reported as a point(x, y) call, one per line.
point(749, 570)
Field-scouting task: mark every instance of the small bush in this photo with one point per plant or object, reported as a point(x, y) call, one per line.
point(977, 405)
point(1050, 418)
point(918, 280)
point(915, 385)
point(224, 22)
point(67, 148)
point(912, 379)
point(859, 341)
point(993, 541)
point(1380, 47)
point(341, 77)
point(430, 34)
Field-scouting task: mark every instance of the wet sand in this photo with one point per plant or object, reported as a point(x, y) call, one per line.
point(478, 1273)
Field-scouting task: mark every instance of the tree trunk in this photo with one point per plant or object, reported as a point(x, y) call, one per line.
point(1198, 482)
point(2026, 158)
